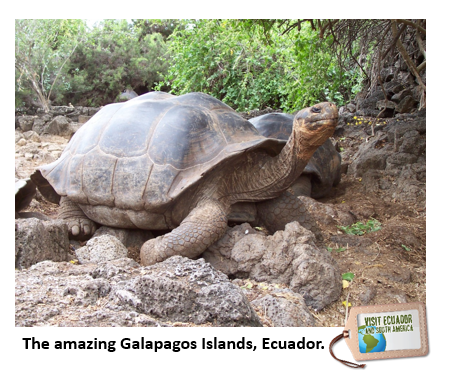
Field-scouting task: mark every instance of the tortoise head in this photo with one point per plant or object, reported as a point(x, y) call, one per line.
point(316, 123)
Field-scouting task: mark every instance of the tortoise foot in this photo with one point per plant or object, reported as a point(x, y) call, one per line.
point(152, 253)
point(80, 226)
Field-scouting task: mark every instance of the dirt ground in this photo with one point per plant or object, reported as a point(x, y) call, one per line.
point(389, 264)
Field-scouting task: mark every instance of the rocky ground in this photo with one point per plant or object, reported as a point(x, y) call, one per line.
point(291, 278)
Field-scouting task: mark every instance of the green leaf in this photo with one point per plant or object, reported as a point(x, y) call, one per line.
point(348, 276)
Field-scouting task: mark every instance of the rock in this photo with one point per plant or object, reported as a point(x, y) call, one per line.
point(32, 136)
point(393, 87)
point(18, 136)
point(21, 142)
point(284, 308)
point(92, 110)
point(102, 248)
point(385, 104)
point(37, 240)
point(184, 290)
point(40, 122)
point(400, 95)
point(128, 237)
point(397, 160)
point(289, 257)
point(405, 77)
point(121, 293)
point(399, 296)
point(368, 295)
point(26, 123)
point(73, 127)
point(369, 103)
point(368, 158)
point(387, 74)
point(351, 107)
point(62, 110)
point(413, 143)
point(406, 104)
point(83, 118)
point(60, 125)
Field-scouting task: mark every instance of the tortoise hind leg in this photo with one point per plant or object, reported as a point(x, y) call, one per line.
point(200, 229)
point(286, 208)
point(80, 226)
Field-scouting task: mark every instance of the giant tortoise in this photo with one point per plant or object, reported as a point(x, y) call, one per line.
point(323, 170)
point(165, 162)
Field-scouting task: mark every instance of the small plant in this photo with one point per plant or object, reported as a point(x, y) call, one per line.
point(360, 228)
point(348, 276)
point(330, 249)
point(406, 248)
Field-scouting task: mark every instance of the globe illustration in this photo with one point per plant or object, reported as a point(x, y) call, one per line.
point(370, 343)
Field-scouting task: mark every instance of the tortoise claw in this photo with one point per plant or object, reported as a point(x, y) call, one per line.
point(81, 228)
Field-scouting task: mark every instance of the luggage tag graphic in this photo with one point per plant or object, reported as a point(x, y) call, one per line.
point(385, 331)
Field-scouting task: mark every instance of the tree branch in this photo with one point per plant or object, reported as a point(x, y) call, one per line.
point(394, 41)
point(420, 44)
point(60, 68)
point(406, 57)
point(414, 25)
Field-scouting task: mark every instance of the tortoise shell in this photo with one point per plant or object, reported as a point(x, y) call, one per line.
point(144, 153)
point(324, 167)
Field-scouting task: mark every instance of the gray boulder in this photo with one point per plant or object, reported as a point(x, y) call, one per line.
point(122, 293)
point(32, 136)
point(37, 240)
point(184, 290)
point(40, 121)
point(289, 257)
point(128, 237)
point(284, 308)
point(101, 248)
point(406, 104)
point(25, 123)
point(60, 125)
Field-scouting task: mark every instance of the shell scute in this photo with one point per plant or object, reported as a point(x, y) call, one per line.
point(87, 137)
point(128, 134)
point(98, 171)
point(129, 187)
point(186, 136)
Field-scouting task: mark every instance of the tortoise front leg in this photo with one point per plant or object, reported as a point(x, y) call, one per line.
point(80, 226)
point(200, 229)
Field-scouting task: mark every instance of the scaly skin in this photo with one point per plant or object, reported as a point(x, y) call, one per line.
point(288, 207)
point(201, 228)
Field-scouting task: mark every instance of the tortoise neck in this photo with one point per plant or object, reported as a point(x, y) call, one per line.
point(264, 177)
point(280, 172)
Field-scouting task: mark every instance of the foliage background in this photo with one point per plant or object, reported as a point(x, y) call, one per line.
point(248, 64)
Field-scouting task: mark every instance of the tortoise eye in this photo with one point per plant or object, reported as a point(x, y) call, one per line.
point(315, 109)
